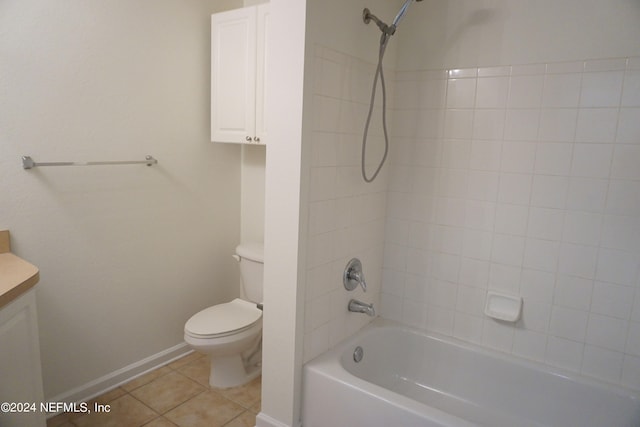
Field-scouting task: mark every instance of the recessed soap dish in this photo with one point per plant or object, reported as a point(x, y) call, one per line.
point(503, 307)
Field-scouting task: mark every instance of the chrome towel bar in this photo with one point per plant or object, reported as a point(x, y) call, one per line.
point(28, 163)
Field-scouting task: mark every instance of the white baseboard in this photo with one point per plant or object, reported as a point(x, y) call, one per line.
point(114, 379)
point(264, 420)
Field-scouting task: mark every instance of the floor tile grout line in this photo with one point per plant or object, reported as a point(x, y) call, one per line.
point(236, 417)
point(73, 420)
point(182, 403)
point(156, 419)
point(242, 404)
point(217, 391)
point(148, 382)
point(185, 364)
point(146, 405)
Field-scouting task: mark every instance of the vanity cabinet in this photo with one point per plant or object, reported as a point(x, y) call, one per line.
point(20, 362)
point(238, 55)
point(20, 371)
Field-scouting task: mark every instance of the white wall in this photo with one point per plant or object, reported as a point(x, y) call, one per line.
point(284, 254)
point(469, 33)
point(252, 193)
point(313, 199)
point(321, 169)
point(252, 172)
point(126, 253)
point(345, 214)
point(520, 176)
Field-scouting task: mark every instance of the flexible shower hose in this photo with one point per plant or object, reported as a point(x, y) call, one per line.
point(384, 39)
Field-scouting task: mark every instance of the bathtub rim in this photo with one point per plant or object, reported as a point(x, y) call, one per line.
point(336, 353)
point(329, 366)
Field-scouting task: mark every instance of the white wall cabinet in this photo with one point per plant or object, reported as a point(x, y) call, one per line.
point(238, 56)
point(20, 371)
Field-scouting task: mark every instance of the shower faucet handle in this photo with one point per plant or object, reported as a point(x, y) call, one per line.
point(353, 275)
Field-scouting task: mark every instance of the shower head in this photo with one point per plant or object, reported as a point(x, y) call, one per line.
point(389, 30)
point(402, 12)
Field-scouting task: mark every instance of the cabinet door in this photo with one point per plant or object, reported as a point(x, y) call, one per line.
point(261, 72)
point(20, 371)
point(233, 75)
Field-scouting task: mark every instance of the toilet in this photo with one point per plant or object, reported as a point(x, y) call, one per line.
point(231, 333)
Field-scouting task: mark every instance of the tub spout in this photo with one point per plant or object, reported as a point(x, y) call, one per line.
point(361, 307)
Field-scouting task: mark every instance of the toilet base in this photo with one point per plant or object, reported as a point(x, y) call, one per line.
point(235, 357)
point(226, 372)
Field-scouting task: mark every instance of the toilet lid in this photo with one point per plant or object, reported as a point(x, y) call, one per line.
point(223, 318)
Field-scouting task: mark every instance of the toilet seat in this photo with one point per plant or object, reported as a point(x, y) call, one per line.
point(223, 319)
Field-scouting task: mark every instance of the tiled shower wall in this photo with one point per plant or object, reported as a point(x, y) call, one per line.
point(525, 180)
point(346, 215)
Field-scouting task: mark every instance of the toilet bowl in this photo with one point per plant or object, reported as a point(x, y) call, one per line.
point(231, 333)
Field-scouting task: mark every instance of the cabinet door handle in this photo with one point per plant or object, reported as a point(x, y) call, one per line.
point(248, 139)
point(256, 139)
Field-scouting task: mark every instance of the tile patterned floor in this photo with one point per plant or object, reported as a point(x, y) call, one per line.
point(177, 394)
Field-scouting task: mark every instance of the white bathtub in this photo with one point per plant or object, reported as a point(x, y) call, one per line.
point(409, 378)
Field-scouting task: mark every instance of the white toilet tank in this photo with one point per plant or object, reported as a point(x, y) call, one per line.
point(251, 270)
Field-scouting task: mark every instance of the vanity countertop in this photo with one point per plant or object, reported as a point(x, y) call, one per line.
point(16, 275)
